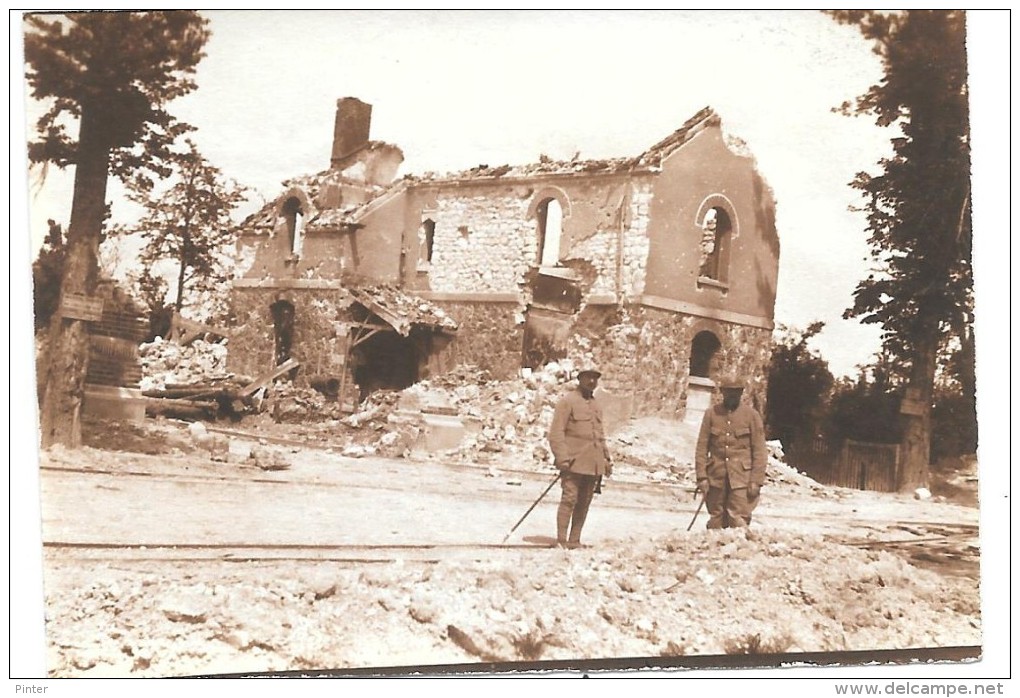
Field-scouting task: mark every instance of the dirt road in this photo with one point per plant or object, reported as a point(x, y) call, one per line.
point(172, 565)
point(328, 500)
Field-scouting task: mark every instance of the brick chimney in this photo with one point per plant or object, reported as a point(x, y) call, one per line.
point(350, 132)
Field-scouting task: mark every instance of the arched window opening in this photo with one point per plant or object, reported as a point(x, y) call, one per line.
point(703, 349)
point(716, 232)
point(550, 228)
point(426, 240)
point(283, 330)
point(294, 218)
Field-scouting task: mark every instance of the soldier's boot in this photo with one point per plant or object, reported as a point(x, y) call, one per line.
point(563, 522)
point(580, 513)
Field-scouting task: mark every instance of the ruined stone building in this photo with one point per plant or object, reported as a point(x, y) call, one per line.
point(661, 266)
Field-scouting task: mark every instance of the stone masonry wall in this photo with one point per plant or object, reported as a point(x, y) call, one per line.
point(602, 248)
point(636, 242)
point(663, 360)
point(600, 251)
point(314, 344)
point(489, 335)
point(484, 243)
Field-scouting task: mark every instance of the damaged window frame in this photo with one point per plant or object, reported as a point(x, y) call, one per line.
point(426, 242)
point(550, 237)
point(718, 228)
point(293, 219)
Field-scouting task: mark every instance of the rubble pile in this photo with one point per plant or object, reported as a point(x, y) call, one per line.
point(167, 363)
point(725, 592)
point(656, 449)
point(507, 422)
point(291, 404)
point(779, 472)
point(508, 417)
point(504, 420)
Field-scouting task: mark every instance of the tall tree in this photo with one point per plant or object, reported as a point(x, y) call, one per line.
point(189, 223)
point(918, 205)
point(111, 73)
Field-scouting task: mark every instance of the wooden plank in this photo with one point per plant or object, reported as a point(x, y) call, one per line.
point(192, 393)
point(368, 334)
point(186, 331)
point(400, 323)
point(345, 356)
point(161, 406)
point(166, 402)
point(264, 380)
point(78, 306)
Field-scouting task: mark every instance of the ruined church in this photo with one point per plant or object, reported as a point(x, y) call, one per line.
point(660, 266)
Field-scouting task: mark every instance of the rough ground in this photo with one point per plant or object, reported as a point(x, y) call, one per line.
point(810, 575)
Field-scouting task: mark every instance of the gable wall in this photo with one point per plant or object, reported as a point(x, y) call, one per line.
point(699, 169)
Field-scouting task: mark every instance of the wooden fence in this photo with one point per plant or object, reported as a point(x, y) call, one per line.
point(858, 464)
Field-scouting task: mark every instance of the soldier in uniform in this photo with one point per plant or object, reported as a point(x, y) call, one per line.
point(578, 444)
point(731, 457)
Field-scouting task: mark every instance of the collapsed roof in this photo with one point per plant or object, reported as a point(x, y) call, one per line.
point(350, 215)
point(402, 311)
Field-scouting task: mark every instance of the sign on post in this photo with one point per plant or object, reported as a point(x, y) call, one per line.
point(78, 306)
point(912, 407)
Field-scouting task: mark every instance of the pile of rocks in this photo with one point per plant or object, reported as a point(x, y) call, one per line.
point(292, 404)
point(510, 418)
point(780, 473)
point(165, 362)
point(507, 422)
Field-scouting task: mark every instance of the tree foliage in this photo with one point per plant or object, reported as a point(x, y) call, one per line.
point(111, 74)
point(799, 386)
point(918, 203)
point(115, 70)
point(867, 409)
point(188, 223)
point(47, 270)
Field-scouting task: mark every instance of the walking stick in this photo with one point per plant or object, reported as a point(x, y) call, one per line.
point(696, 512)
point(540, 497)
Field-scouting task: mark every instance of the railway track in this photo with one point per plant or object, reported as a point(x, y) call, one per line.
point(947, 546)
point(240, 552)
point(950, 548)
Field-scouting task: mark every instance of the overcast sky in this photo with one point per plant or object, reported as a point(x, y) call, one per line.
point(456, 89)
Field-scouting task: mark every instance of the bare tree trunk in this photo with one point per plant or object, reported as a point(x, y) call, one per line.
point(68, 353)
point(916, 442)
point(180, 286)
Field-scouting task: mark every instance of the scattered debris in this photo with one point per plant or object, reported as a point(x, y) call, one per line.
point(166, 362)
point(266, 458)
point(221, 617)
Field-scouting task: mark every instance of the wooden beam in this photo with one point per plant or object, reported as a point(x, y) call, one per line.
point(264, 380)
point(160, 406)
point(185, 331)
point(366, 336)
